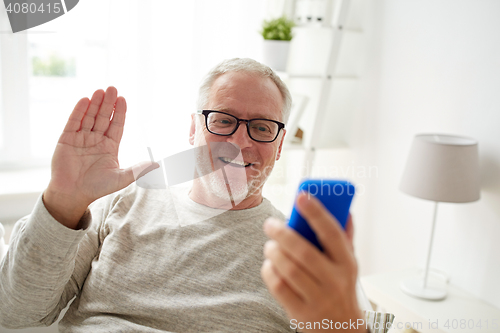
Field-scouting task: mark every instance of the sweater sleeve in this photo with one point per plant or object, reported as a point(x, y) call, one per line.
point(46, 265)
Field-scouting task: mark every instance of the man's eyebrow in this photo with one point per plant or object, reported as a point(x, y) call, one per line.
point(228, 110)
point(231, 111)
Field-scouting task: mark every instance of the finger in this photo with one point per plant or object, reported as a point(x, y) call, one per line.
point(349, 231)
point(280, 290)
point(104, 115)
point(75, 119)
point(95, 102)
point(327, 229)
point(115, 129)
point(298, 248)
point(129, 175)
point(294, 275)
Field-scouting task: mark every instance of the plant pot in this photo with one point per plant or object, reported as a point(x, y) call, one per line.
point(275, 54)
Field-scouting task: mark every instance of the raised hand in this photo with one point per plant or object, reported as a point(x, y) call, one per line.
point(310, 285)
point(85, 162)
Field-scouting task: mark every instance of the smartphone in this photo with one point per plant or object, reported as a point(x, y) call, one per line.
point(336, 196)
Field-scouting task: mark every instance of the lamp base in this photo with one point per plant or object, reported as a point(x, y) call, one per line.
point(415, 288)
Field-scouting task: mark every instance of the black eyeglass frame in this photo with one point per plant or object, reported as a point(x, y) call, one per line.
point(247, 121)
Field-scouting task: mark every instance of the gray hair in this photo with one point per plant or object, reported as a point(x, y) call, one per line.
point(244, 65)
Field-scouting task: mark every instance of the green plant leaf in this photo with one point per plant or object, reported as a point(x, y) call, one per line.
point(277, 29)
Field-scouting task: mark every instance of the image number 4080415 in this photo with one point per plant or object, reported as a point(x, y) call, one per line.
point(26, 14)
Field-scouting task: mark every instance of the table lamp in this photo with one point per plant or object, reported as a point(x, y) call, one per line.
point(440, 168)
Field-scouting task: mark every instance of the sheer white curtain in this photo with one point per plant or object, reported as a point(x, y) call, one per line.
point(177, 43)
point(154, 52)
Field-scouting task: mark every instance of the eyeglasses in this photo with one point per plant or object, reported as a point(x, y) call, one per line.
point(259, 129)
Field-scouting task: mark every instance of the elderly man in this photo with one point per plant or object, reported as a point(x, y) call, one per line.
point(180, 259)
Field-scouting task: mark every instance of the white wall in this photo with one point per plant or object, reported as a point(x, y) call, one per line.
point(432, 66)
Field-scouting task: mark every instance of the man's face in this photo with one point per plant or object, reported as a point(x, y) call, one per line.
point(246, 97)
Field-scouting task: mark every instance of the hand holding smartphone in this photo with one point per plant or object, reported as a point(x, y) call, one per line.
point(335, 195)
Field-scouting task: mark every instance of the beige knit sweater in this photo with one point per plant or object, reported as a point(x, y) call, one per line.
point(143, 261)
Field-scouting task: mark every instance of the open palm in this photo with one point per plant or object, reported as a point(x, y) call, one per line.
point(85, 163)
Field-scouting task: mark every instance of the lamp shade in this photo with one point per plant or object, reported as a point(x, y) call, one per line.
point(442, 168)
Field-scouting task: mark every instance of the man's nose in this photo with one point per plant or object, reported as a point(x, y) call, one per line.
point(240, 137)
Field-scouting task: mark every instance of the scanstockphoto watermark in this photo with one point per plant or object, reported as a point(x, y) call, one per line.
point(438, 325)
point(187, 165)
point(472, 324)
point(326, 188)
point(327, 324)
point(280, 173)
point(352, 170)
point(26, 14)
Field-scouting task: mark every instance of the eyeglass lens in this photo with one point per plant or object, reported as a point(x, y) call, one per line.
point(261, 130)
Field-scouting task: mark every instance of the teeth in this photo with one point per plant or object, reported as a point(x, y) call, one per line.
point(228, 160)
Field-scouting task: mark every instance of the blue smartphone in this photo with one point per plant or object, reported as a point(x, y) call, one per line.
point(336, 196)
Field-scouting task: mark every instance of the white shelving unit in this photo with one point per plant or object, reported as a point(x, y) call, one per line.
point(320, 69)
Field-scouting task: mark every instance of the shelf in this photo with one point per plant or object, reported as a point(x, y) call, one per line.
point(310, 51)
point(299, 146)
point(316, 76)
point(323, 66)
point(327, 27)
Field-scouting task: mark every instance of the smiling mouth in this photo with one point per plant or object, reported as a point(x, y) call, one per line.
point(238, 164)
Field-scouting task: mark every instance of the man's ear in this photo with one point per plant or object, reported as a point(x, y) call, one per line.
point(192, 130)
point(278, 154)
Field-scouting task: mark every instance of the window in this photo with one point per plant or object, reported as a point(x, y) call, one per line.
point(154, 52)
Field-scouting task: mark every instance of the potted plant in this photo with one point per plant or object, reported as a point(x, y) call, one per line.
point(277, 35)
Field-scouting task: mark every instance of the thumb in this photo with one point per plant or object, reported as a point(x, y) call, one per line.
point(135, 172)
